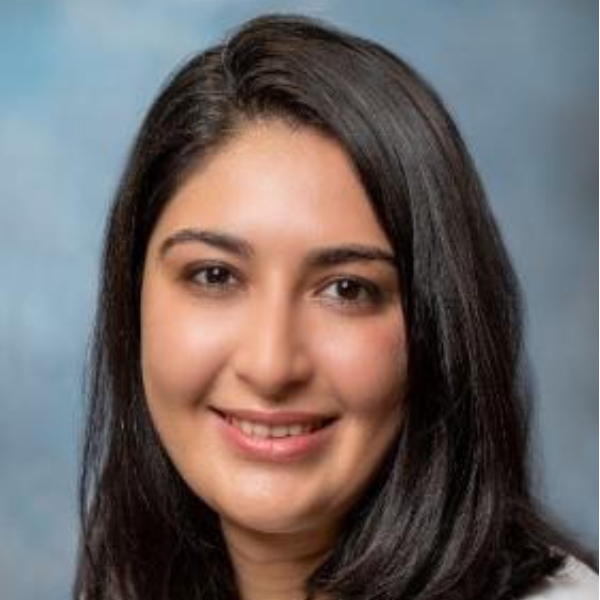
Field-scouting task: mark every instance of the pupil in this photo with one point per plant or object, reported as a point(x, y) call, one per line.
point(212, 278)
point(347, 284)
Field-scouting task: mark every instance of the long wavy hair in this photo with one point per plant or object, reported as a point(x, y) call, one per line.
point(449, 514)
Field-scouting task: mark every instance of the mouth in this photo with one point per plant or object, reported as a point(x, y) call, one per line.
point(283, 442)
point(275, 425)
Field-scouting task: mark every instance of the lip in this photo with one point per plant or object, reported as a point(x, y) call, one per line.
point(274, 450)
point(274, 418)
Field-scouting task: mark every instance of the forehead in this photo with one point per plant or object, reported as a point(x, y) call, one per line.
point(277, 185)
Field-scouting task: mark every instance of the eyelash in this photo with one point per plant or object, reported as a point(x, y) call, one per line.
point(374, 293)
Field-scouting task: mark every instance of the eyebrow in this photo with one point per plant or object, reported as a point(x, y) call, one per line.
point(316, 258)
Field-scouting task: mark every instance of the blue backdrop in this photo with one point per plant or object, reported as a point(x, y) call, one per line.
point(76, 78)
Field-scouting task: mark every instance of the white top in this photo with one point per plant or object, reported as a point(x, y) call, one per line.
point(575, 581)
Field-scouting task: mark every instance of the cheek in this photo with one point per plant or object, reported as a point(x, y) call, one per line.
point(367, 364)
point(182, 349)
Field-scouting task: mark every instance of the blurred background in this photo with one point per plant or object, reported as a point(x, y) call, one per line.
point(76, 78)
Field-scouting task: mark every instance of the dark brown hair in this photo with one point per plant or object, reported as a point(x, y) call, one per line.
point(450, 514)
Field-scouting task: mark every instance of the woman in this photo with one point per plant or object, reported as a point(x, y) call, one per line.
point(306, 378)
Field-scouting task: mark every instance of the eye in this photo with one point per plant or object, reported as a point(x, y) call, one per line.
point(357, 291)
point(211, 277)
point(215, 278)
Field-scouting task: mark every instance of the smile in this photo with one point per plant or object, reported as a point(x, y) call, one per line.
point(280, 443)
point(260, 430)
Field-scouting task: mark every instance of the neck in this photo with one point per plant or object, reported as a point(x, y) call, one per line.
point(275, 566)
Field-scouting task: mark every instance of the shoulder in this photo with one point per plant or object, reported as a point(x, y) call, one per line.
point(575, 581)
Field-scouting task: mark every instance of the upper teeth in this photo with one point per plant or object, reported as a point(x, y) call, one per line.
point(263, 431)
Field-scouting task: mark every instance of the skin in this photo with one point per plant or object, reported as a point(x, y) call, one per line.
point(273, 335)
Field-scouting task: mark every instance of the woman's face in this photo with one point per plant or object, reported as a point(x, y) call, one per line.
point(267, 329)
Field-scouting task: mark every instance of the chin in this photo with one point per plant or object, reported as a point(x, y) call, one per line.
point(268, 524)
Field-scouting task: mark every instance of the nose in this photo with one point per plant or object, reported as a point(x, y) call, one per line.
point(270, 356)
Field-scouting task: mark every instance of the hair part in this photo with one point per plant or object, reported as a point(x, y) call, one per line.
point(449, 514)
